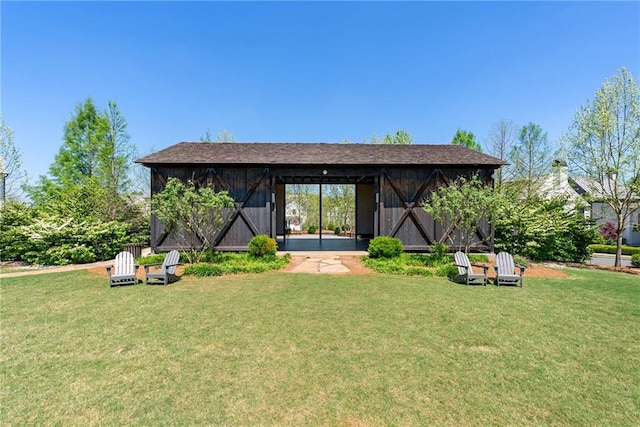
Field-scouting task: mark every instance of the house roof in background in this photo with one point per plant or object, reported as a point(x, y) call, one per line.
point(253, 153)
point(596, 190)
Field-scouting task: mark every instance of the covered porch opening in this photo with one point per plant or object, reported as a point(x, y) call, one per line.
point(303, 201)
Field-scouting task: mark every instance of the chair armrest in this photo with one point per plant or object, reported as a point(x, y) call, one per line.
point(109, 267)
point(522, 268)
point(151, 265)
point(463, 266)
point(173, 265)
point(484, 267)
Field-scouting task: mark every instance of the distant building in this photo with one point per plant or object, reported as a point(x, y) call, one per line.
point(600, 212)
point(295, 216)
point(583, 195)
point(558, 184)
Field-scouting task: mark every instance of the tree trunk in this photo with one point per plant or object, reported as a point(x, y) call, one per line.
point(620, 229)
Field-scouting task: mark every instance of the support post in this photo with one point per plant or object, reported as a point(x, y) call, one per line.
point(320, 219)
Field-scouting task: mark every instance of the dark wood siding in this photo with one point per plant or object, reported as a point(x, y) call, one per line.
point(388, 200)
point(365, 209)
point(403, 192)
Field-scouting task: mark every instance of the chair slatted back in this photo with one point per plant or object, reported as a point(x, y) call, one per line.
point(505, 263)
point(462, 259)
point(171, 260)
point(124, 264)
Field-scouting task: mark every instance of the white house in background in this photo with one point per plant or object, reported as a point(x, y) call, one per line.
point(558, 184)
point(294, 216)
point(601, 212)
point(582, 195)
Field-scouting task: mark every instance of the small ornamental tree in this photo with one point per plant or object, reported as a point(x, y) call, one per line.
point(461, 206)
point(195, 215)
point(608, 230)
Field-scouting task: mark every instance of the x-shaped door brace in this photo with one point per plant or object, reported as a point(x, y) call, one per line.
point(239, 206)
point(207, 179)
point(410, 205)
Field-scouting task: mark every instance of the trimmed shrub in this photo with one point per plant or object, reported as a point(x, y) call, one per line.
point(262, 245)
point(439, 250)
point(635, 260)
point(385, 247)
point(311, 229)
point(337, 230)
point(611, 249)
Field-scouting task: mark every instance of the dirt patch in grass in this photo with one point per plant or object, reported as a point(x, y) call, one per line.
point(534, 270)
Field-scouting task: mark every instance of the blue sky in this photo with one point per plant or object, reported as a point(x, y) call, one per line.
point(306, 71)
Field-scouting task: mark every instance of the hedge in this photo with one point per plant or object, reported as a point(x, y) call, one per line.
point(611, 249)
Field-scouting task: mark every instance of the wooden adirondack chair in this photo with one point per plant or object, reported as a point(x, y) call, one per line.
point(506, 270)
point(167, 272)
point(123, 271)
point(465, 270)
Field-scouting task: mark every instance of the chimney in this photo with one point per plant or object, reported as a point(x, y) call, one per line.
point(560, 173)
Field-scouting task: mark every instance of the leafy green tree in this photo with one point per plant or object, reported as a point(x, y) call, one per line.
point(467, 139)
point(10, 163)
point(85, 139)
point(462, 206)
point(603, 144)
point(194, 215)
point(95, 159)
point(401, 137)
point(339, 205)
point(531, 159)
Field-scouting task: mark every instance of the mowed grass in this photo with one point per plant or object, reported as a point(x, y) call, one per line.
point(293, 349)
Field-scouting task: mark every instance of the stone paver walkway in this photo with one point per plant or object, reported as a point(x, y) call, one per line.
point(331, 265)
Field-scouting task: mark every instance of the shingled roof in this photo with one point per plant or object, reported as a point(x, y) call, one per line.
point(255, 153)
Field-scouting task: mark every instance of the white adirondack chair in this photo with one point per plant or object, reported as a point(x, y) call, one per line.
point(506, 273)
point(465, 270)
point(123, 271)
point(167, 272)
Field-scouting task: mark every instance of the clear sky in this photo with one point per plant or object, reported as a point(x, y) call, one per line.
point(306, 71)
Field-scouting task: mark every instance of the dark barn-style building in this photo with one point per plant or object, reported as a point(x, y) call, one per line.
point(391, 184)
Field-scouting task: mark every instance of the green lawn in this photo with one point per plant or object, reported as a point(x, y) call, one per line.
point(293, 349)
